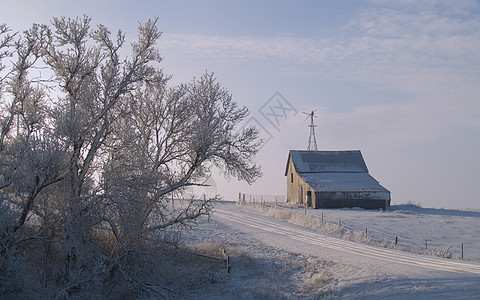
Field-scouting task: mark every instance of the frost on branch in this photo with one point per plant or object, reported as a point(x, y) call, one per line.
point(94, 148)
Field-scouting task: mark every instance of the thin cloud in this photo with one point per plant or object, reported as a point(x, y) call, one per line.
point(429, 54)
point(380, 45)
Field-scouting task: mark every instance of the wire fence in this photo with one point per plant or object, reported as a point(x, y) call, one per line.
point(261, 199)
point(372, 235)
point(359, 232)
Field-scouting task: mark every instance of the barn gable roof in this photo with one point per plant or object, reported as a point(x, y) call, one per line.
point(327, 161)
point(328, 171)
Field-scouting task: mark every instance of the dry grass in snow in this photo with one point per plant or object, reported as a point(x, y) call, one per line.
point(298, 218)
point(257, 271)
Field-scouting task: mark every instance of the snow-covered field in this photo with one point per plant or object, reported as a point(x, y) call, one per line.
point(416, 229)
point(283, 260)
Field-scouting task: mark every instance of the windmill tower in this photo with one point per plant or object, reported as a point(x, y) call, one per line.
point(312, 141)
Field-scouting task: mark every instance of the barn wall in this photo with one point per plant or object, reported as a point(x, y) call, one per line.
point(297, 190)
point(293, 185)
point(366, 200)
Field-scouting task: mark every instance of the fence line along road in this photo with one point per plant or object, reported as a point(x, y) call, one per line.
point(261, 199)
point(370, 234)
point(318, 239)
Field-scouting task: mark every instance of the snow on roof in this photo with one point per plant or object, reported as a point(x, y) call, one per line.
point(337, 171)
point(328, 161)
point(338, 182)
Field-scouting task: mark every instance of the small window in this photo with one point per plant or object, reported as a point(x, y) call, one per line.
point(291, 177)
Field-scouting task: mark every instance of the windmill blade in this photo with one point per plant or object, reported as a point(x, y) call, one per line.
point(310, 114)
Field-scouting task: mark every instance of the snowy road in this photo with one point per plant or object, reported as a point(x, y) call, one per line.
point(287, 232)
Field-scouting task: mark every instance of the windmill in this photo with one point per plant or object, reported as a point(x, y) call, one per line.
point(312, 141)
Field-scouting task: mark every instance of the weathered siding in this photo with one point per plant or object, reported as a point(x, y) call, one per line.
point(297, 189)
point(294, 194)
point(334, 189)
point(371, 200)
point(297, 192)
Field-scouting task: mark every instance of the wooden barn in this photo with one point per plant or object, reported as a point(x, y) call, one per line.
point(333, 179)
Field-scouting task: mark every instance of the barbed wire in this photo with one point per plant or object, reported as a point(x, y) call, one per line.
point(370, 234)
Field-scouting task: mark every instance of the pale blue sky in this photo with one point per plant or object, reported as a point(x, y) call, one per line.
point(399, 80)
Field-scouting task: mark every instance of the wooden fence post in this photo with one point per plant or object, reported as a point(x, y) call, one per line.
point(228, 263)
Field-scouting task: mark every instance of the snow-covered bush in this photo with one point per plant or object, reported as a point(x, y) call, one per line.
point(17, 276)
point(307, 221)
point(441, 252)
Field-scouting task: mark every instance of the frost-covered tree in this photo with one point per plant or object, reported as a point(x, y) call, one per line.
point(170, 141)
point(94, 144)
point(31, 157)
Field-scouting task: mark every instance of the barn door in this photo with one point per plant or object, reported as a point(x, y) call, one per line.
point(309, 198)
